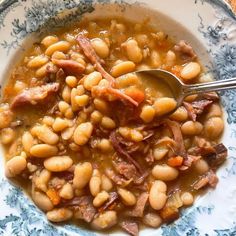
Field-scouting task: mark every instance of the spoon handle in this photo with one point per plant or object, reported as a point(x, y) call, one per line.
point(209, 87)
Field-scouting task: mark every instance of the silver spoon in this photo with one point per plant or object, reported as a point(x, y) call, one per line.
point(181, 90)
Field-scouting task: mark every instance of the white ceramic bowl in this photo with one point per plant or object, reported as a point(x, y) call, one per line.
point(209, 26)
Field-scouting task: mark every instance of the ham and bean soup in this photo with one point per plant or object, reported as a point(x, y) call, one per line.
point(86, 137)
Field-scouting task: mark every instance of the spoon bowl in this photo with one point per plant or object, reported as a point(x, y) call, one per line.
point(181, 90)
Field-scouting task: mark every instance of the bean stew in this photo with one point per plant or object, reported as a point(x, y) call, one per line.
point(84, 135)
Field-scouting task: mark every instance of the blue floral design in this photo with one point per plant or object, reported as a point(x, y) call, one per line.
point(25, 219)
point(225, 60)
point(186, 224)
point(212, 33)
point(227, 232)
point(224, 56)
point(43, 16)
point(29, 220)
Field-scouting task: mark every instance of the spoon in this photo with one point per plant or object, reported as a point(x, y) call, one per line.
point(181, 90)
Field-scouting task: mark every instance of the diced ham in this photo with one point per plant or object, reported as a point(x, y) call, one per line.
point(83, 206)
point(90, 53)
point(218, 156)
point(99, 91)
point(139, 207)
point(213, 96)
point(70, 66)
point(130, 227)
point(185, 50)
point(179, 147)
point(188, 161)
point(121, 152)
point(196, 108)
point(125, 169)
point(35, 95)
point(190, 110)
point(113, 197)
point(209, 178)
point(149, 158)
point(66, 175)
point(117, 179)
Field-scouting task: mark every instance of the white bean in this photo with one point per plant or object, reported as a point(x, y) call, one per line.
point(82, 133)
point(41, 180)
point(27, 141)
point(165, 172)
point(164, 105)
point(170, 58)
point(155, 59)
point(201, 166)
point(60, 124)
point(15, 166)
point(213, 127)
point(92, 80)
point(45, 134)
point(101, 198)
point(191, 128)
point(127, 197)
point(58, 163)
point(134, 52)
point(82, 175)
point(157, 196)
point(49, 40)
point(180, 114)
point(105, 220)
point(43, 150)
point(37, 61)
point(42, 201)
point(160, 152)
point(106, 183)
point(214, 111)
point(190, 71)
point(100, 47)
point(147, 113)
point(122, 68)
point(7, 135)
point(95, 183)
point(59, 214)
point(108, 123)
point(66, 134)
point(187, 198)
point(101, 105)
point(61, 46)
point(152, 219)
point(67, 191)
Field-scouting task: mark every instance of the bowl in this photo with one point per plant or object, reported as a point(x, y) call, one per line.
point(209, 26)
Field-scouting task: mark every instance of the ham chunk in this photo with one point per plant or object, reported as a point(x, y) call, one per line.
point(34, 95)
point(139, 208)
point(130, 227)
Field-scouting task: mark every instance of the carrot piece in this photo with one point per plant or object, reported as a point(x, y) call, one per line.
point(136, 94)
point(53, 196)
point(175, 161)
point(169, 214)
point(176, 70)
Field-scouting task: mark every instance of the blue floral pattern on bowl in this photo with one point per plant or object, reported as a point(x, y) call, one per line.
point(19, 216)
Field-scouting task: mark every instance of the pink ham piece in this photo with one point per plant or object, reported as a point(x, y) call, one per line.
point(70, 66)
point(209, 178)
point(34, 95)
point(139, 207)
point(185, 50)
point(89, 52)
point(179, 147)
point(130, 227)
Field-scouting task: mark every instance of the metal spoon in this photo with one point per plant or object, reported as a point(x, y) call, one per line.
point(181, 90)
